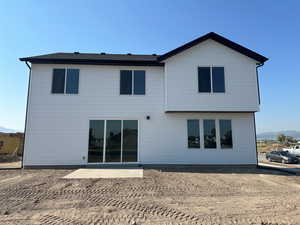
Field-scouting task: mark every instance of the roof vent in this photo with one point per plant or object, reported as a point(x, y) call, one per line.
point(103, 53)
point(76, 53)
point(129, 54)
point(154, 54)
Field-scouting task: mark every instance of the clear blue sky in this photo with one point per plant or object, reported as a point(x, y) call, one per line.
point(271, 28)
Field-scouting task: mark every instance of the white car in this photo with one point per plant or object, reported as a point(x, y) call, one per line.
point(295, 150)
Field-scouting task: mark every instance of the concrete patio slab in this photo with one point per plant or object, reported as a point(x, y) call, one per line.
point(105, 173)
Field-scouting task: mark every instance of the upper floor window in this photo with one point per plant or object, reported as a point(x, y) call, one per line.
point(132, 82)
point(211, 79)
point(65, 81)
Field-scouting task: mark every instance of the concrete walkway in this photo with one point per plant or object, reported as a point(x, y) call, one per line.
point(105, 173)
point(295, 170)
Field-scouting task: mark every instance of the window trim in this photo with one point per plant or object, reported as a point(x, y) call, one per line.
point(211, 81)
point(132, 84)
point(218, 140)
point(65, 86)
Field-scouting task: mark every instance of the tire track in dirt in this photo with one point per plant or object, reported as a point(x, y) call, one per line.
point(52, 220)
point(119, 219)
point(145, 209)
point(95, 196)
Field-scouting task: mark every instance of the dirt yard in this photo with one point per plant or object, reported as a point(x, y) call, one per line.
point(196, 197)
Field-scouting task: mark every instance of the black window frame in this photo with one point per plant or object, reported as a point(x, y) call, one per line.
point(133, 79)
point(212, 89)
point(65, 92)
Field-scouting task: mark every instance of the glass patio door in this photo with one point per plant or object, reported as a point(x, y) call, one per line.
point(113, 141)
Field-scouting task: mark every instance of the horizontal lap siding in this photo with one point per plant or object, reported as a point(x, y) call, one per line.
point(181, 72)
point(58, 125)
point(166, 140)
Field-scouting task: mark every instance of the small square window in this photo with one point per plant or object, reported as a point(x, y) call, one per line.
point(211, 79)
point(65, 81)
point(132, 82)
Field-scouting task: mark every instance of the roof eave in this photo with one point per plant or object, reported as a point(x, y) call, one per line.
point(94, 62)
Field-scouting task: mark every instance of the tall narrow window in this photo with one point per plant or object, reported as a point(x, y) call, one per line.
point(225, 134)
point(193, 134)
point(209, 134)
point(126, 82)
point(72, 81)
point(139, 82)
point(218, 79)
point(204, 83)
point(58, 81)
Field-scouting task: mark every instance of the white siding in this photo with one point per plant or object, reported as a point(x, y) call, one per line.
point(181, 72)
point(57, 131)
point(57, 126)
point(164, 140)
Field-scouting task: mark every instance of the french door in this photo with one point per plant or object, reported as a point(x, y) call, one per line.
point(113, 141)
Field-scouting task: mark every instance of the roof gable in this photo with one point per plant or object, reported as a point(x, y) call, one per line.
point(219, 39)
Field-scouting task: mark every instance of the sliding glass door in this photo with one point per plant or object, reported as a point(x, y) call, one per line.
point(119, 145)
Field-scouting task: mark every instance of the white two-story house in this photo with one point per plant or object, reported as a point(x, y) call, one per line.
point(194, 105)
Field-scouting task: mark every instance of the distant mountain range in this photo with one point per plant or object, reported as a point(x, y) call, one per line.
point(7, 130)
point(273, 134)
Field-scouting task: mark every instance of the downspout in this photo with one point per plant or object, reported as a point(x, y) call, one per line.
point(258, 92)
point(26, 114)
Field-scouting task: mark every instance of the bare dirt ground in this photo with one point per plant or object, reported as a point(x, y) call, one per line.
point(244, 196)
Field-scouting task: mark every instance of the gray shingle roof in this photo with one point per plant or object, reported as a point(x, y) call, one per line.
point(92, 58)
